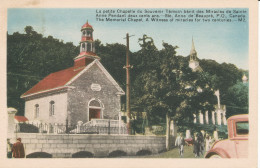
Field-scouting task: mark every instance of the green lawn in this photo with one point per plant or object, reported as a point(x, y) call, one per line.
point(173, 153)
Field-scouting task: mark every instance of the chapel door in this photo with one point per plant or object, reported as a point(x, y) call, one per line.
point(94, 113)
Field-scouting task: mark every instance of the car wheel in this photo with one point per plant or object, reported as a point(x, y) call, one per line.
point(214, 156)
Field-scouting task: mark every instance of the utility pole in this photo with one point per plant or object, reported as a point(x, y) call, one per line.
point(128, 67)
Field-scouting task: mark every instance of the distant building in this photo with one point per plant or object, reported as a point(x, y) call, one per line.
point(194, 62)
point(210, 120)
point(80, 93)
point(244, 79)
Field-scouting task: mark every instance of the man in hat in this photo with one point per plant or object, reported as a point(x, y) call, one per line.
point(9, 148)
point(18, 149)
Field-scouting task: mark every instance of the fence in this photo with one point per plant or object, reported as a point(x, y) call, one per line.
point(70, 129)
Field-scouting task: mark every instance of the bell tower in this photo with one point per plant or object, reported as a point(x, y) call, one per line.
point(193, 63)
point(87, 47)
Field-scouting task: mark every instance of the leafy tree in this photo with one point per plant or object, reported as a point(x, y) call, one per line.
point(31, 57)
point(162, 82)
point(171, 88)
point(237, 99)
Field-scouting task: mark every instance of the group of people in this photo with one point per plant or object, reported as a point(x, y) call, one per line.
point(15, 150)
point(201, 143)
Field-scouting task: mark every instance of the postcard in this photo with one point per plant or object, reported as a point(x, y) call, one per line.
point(133, 84)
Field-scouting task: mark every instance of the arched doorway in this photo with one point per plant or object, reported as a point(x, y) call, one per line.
point(95, 110)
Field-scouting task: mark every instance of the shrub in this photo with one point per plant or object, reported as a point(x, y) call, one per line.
point(28, 128)
point(117, 153)
point(39, 155)
point(83, 154)
point(143, 152)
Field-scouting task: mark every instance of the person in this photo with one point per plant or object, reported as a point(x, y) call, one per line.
point(18, 149)
point(196, 146)
point(201, 143)
point(180, 143)
point(208, 143)
point(9, 148)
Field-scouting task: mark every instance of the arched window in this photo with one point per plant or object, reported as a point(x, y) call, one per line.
point(95, 110)
point(36, 111)
point(94, 103)
point(84, 32)
point(83, 47)
point(89, 33)
point(88, 47)
point(52, 109)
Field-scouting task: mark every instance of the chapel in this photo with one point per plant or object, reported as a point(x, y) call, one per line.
point(81, 93)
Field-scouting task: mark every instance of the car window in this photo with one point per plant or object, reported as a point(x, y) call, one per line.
point(242, 127)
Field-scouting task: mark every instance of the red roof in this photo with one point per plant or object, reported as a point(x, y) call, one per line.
point(86, 25)
point(20, 118)
point(54, 80)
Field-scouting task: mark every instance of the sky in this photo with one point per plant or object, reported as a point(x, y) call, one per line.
point(222, 42)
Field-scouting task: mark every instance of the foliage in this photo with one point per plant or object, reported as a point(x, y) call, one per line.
point(28, 128)
point(237, 99)
point(39, 155)
point(117, 153)
point(170, 86)
point(31, 57)
point(83, 154)
point(162, 82)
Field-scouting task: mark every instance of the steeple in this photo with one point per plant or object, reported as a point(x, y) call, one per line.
point(193, 52)
point(87, 47)
point(193, 63)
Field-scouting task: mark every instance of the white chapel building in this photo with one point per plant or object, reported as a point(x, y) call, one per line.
point(83, 92)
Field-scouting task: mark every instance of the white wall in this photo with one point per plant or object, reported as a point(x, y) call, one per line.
point(60, 112)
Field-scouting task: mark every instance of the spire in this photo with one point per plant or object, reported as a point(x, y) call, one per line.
point(87, 47)
point(193, 53)
point(194, 63)
point(192, 45)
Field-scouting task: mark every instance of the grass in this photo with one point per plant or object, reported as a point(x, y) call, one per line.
point(173, 153)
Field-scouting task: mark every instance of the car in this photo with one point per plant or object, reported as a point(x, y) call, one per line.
point(236, 146)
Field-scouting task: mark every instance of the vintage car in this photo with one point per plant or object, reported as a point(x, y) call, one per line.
point(236, 146)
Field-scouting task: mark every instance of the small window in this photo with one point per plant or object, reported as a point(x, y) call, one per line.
point(88, 47)
point(52, 109)
point(242, 128)
point(83, 47)
point(89, 34)
point(36, 111)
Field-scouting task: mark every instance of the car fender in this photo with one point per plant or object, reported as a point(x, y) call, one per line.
point(222, 153)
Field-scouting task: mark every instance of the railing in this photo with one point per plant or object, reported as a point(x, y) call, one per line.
point(93, 127)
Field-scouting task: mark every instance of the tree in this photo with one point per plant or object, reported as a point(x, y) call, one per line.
point(237, 99)
point(31, 57)
point(171, 88)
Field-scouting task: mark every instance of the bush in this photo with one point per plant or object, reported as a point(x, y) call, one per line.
point(39, 155)
point(83, 154)
point(28, 128)
point(117, 153)
point(143, 152)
